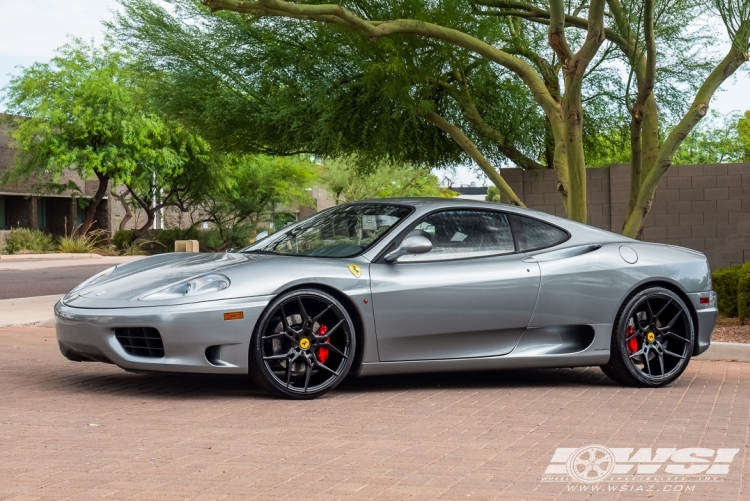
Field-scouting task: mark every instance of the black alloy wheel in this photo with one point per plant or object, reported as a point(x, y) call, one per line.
point(652, 340)
point(303, 346)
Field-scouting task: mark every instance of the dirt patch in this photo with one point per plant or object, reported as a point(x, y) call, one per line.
point(730, 330)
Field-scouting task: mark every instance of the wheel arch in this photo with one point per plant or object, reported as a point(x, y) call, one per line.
point(351, 309)
point(674, 287)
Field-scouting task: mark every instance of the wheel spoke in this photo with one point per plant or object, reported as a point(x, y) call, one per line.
point(672, 334)
point(308, 373)
point(325, 367)
point(672, 322)
point(646, 362)
point(330, 332)
point(661, 361)
point(320, 315)
point(332, 348)
point(285, 323)
point(302, 311)
point(650, 311)
point(279, 334)
point(278, 357)
point(672, 354)
point(663, 309)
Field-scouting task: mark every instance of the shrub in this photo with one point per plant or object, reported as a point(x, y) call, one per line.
point(121, 238)
point(743, 293)
point(725, 282)
point(30, 241)
point(91, 242)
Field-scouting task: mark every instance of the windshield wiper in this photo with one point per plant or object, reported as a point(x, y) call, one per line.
point(259, 251)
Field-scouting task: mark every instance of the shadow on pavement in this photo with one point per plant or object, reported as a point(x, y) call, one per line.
point(212, 386)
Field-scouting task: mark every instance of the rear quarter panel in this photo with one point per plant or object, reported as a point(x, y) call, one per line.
point(590, 288)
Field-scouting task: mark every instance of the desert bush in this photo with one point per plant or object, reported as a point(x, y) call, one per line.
point(89, 243)
point(29, 241)
point(725, 282)
point(122, 238)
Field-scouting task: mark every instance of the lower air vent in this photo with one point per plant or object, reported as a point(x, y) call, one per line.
point(141, 341)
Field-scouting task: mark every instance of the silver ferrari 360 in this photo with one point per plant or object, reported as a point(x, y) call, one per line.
point(401, 286)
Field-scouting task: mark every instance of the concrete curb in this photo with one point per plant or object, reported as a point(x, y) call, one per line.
point(727, 352)
point(47, 257)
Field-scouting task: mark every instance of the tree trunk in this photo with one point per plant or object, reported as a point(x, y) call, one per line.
point(122, 198)
point(94, 205)
point(733, 60)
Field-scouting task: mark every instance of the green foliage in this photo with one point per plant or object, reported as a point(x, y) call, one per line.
point(725, 281)
point(93, 241)
point(715, 139)
point(743, 293)
point(743, 133)
point(493, 194)
point(348, 183)
point(249, 187)
point(121, 238)
point(23, 240)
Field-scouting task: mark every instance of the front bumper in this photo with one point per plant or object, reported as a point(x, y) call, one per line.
point(707, 313)
point(188, 332)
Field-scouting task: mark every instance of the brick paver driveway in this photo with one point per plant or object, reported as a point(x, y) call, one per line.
point(91, 431)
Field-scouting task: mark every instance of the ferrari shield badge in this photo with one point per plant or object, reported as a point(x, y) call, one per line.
point(356, 270)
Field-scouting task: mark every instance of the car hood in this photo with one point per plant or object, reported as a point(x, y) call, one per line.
point(251, 276)
point(133, 280)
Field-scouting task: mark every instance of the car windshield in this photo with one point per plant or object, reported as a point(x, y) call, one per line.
point(343, 231)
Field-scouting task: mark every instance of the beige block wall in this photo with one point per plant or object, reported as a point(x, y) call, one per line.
point(703, 207)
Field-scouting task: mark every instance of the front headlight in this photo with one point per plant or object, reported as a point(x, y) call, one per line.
point(205, 284)
point(96, 278)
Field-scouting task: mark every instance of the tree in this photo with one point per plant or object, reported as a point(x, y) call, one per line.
point(250, 185)
point(467, 94)
point(79, 111)
point(493, 194)
point(636, 29)
point(178, 171)
point(714, 140)
point(347, 183)
point(743, 131)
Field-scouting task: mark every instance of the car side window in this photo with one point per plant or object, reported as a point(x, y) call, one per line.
point(457, 234)
point(534, 234)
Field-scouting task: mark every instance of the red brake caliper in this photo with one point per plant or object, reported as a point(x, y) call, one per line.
point(322, 352)
point(633, 341)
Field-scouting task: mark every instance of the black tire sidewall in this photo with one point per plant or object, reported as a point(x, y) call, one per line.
point(258, 370)
point(619, 341)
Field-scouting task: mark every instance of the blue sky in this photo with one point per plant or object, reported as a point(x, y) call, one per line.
point(30, 30)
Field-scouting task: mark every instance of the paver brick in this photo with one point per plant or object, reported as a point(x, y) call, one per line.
point(486, 435)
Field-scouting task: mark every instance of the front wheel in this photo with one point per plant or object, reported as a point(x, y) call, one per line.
point(652, 340)
point(303, 346)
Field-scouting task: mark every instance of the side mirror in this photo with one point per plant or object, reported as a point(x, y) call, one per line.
point(416, 244)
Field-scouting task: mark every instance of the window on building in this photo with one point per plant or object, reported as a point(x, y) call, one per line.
point(80, 214)
point(41, 212)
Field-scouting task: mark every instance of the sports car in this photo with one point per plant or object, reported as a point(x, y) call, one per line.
point(401, 286)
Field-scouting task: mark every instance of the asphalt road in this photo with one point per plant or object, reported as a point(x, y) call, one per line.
point(46, 281)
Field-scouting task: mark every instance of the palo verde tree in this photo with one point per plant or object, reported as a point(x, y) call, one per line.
point(79, 112)
point(386, 80)
point(643, 32)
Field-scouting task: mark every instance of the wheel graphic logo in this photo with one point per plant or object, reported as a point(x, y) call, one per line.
point(592, 463)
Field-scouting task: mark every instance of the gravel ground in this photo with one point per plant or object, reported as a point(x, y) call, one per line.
point(729, 330)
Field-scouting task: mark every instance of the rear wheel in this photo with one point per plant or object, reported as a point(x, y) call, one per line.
point(303, 346)
point(652, 340)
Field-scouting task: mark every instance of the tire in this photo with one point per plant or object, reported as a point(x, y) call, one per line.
point(652, 339)
point(303, 345)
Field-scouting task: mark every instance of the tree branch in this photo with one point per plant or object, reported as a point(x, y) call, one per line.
point(470, 148)
point(336, 14)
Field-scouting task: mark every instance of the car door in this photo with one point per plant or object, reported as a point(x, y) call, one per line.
point(470, 296)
